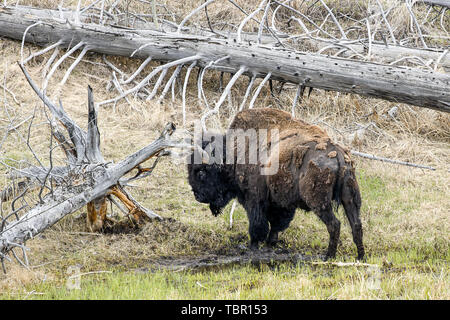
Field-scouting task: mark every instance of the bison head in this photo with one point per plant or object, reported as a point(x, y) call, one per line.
point(209, 182)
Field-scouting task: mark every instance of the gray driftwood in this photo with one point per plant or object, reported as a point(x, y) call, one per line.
point(442, 3)
point(87, 179)
point(400, 84)
point(387, 53)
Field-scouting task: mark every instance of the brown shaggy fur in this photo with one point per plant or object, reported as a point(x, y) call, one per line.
point(313, 172)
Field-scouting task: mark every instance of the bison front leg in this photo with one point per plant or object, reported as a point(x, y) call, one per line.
point(334, 228)
point(258, 225)
point(279, 219)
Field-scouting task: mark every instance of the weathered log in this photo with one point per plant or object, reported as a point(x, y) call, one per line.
point(442, 3)
point(64, 202)
point(404, 163)
point(401, 84)
point(387, 53)
point(95, 178)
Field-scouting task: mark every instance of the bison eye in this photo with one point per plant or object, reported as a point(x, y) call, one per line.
point(201, 175)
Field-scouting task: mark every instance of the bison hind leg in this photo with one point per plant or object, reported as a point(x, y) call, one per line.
point(351, 201)
point(334, 228)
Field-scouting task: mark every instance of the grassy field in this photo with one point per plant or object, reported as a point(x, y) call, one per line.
point(405, 211)
point(406, 226)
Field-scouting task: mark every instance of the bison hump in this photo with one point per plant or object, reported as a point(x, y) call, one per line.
point(268, 118)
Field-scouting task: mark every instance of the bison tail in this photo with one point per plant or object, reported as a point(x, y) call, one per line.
point(337, 193)
point(342, 176)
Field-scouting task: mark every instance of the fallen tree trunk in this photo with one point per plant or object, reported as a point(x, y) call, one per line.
point(386, 53)
point(442, 3)
point(400, 84)
point(65, 201)
point(86, 180)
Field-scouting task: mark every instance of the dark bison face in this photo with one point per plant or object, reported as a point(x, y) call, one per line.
point(209, 186)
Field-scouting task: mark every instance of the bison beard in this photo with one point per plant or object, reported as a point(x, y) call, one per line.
point(314, 173)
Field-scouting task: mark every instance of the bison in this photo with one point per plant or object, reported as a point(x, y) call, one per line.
point(313, 174)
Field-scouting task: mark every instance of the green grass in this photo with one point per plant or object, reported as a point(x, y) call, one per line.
point(284, 281)
point(410, 248)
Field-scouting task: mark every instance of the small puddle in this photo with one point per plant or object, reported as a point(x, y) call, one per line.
point(257, 258)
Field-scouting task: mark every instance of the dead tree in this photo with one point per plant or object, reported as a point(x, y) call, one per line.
point(87, 180)
point(424, 88)
point(442, 3)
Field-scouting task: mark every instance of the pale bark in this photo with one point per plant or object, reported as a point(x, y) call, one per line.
point(401, 84)
point(64, 202)
point(95, 180)
point(442, 3)
point(388, 53)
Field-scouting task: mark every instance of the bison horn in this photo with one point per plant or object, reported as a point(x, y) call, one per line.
point(205, 155)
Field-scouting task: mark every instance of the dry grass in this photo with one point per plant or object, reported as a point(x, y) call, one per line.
point(405, 211)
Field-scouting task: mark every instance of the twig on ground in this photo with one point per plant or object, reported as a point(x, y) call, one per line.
point(373, 157)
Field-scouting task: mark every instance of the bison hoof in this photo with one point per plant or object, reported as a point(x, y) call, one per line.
point(272, 243)
point(361, 257)
point(272, 240)
point(254, 246)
